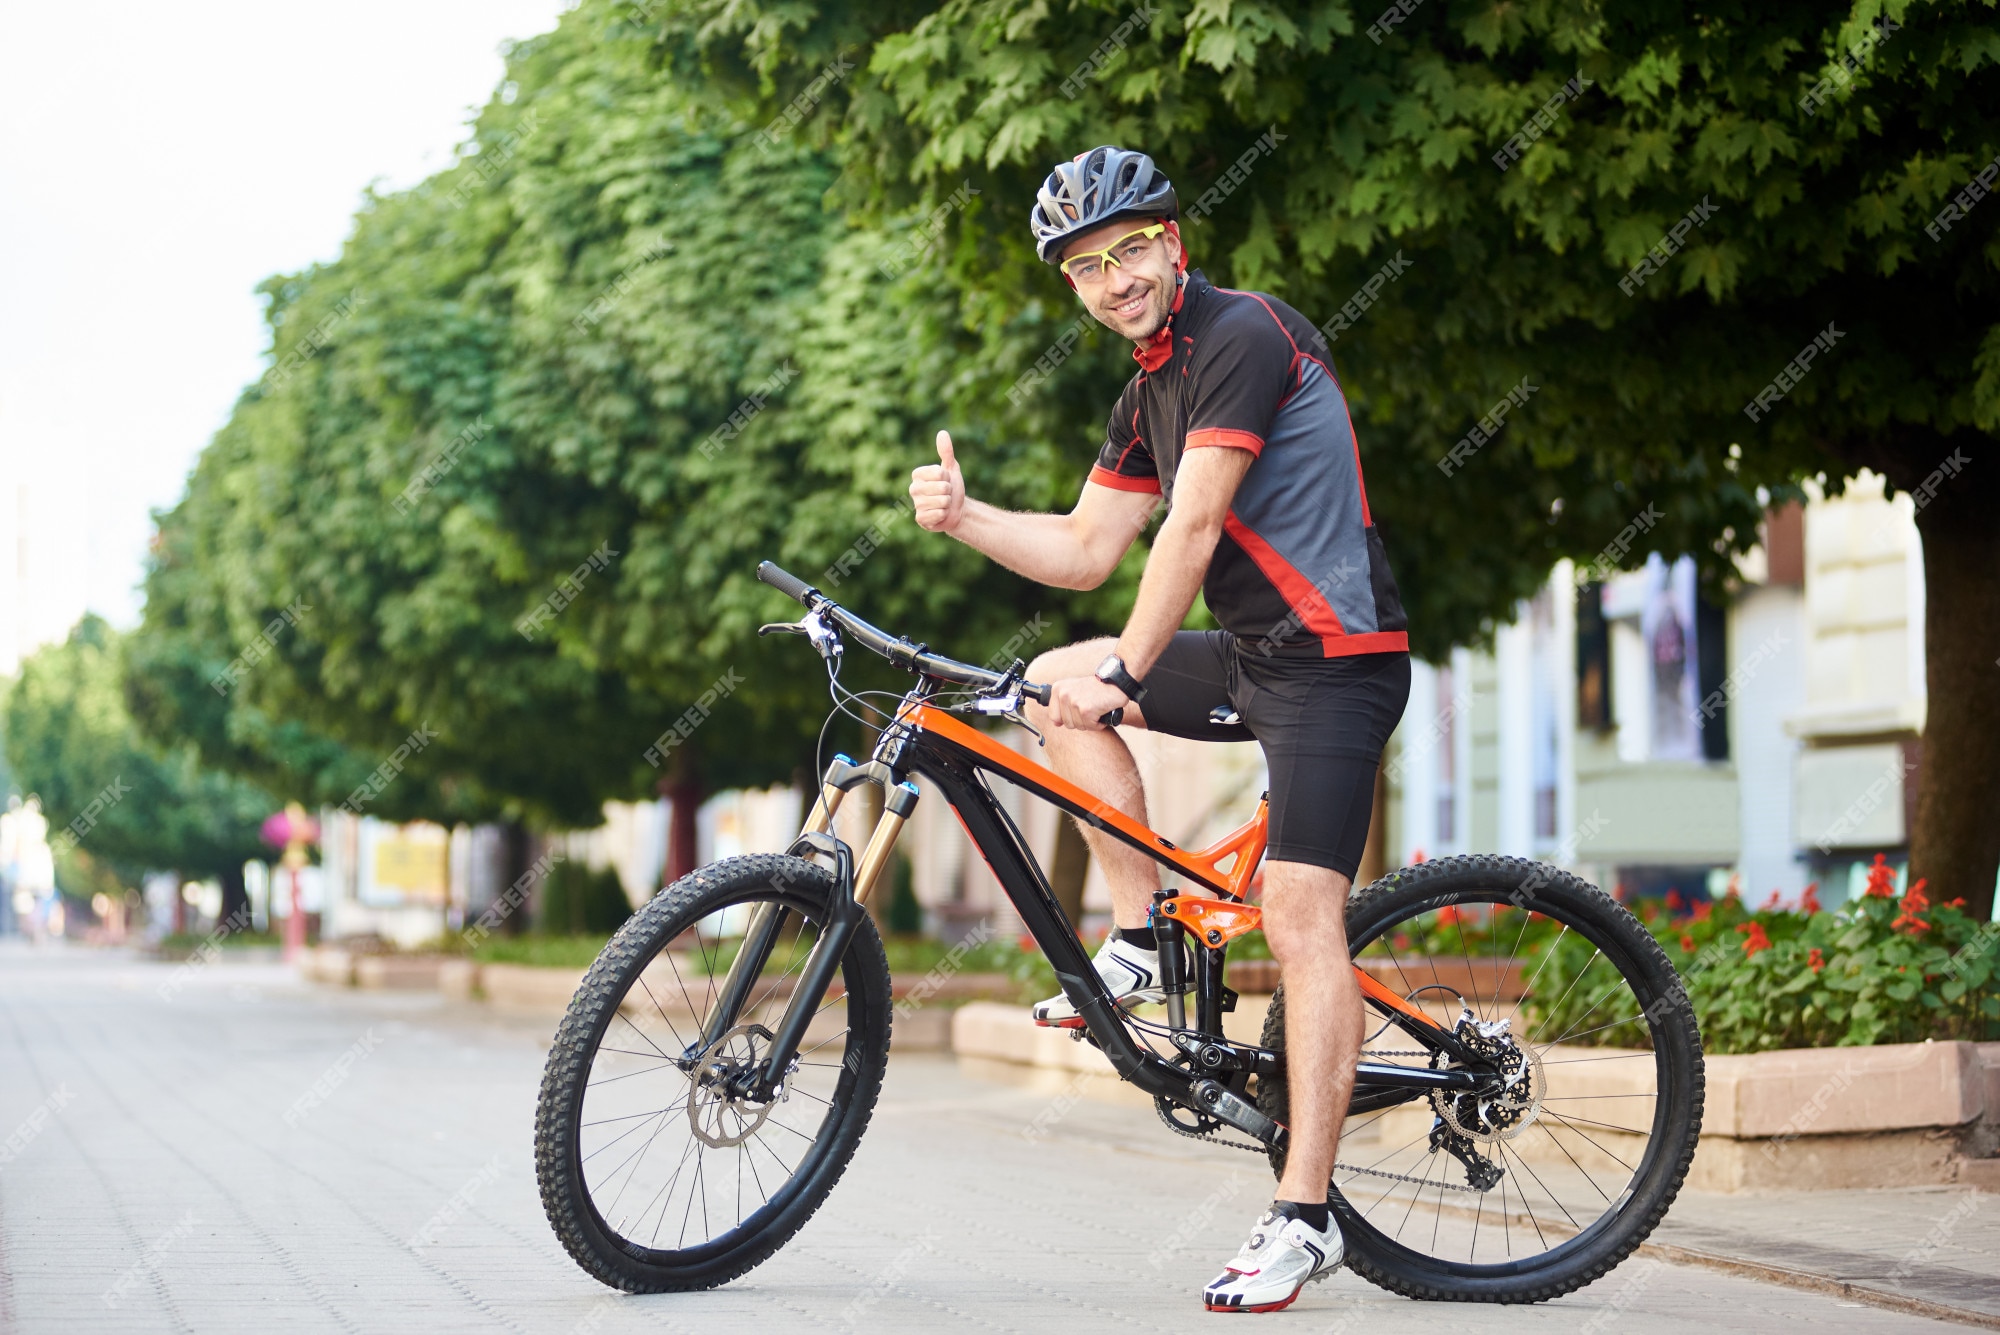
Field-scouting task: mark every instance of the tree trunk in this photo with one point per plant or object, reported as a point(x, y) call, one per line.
point(1956, 843)
point(517, 847)
point(1068, 867)
point(685, 794)
point(235, 901)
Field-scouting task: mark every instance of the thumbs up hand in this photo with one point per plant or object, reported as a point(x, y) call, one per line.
point(938, 490)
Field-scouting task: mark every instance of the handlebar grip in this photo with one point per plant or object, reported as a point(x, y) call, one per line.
point(1114, 718)
point(1039, 694)
point(783, 581)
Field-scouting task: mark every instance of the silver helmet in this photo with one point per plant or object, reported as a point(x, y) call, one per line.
point(1095, 188)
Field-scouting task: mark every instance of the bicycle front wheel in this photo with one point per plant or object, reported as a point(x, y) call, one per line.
point(1526, 1193)
point(657, 1171)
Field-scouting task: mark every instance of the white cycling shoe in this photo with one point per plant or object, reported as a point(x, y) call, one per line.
point(1130, 973)
point(1281, 1258)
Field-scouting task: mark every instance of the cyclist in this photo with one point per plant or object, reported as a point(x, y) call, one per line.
point(1236, 422)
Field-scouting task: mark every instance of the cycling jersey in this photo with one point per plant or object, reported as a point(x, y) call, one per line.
point(1300, 570)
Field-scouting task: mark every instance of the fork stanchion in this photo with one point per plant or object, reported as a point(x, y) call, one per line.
point(897, 804)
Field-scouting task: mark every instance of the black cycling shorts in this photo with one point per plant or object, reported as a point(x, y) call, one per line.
point(1321, 721)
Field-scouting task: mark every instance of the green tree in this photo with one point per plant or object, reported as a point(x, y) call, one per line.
point(71, 740)
point(1818, 148)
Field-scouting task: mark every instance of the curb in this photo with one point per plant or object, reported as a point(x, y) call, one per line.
point(1813, 1283)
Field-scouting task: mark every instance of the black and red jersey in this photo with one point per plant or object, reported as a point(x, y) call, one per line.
point(1299, 571)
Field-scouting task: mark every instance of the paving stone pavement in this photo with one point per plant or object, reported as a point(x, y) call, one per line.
point(150, 1181)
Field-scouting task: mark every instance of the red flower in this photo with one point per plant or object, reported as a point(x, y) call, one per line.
point(1401, 941)
point(1914, 904)
point(1025, 942)
point(1754, 938)
point(1958, 903)
point(1773, 902)
point(1809, 901)
point(1687, 943)
point(1703, 909)
point(1447, 915)
point(1881, 879)
point(1815, 961)
point(1735, 890)
point(1674, 899)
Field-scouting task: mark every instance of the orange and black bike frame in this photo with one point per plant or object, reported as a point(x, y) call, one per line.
point(926, 741)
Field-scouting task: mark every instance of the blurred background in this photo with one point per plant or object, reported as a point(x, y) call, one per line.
point(395, 407)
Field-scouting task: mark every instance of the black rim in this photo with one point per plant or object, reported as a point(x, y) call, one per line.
point(1584, 1152)
point(645, 1173)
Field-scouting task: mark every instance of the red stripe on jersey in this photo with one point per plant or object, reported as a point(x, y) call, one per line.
point(1104, 477)
point(1225, 436)
point(1314, 612)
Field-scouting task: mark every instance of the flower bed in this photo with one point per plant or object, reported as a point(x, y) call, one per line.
point(1884, 968)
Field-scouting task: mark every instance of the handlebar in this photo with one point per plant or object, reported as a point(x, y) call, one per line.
point(910, 657)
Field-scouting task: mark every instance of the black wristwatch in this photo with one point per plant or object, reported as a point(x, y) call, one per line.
point(1112, 672)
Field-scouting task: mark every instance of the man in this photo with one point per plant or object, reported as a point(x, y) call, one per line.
point(1235, 418)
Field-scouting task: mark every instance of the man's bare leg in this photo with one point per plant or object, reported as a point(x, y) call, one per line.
point(1101, 764)
point(1305, 920)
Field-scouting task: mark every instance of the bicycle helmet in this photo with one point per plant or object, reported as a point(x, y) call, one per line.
point(1094, 188)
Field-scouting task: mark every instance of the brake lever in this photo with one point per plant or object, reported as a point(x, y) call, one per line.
point(824, 637)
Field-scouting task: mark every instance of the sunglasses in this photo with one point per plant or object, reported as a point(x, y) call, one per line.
point(1094, 266)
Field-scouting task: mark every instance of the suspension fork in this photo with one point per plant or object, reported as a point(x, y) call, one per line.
point(845, 911)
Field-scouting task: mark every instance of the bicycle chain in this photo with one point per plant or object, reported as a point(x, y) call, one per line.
point(1161, 1105)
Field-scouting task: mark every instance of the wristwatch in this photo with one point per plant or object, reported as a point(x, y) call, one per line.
point(1112, 672)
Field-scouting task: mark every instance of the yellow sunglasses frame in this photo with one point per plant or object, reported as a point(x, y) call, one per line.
point(1150, 232)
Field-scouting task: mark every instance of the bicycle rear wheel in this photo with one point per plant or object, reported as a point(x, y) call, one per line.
point(1576, 1163)
point(656, 1172)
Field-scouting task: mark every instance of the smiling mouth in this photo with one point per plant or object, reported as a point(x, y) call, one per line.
point(1131, 308)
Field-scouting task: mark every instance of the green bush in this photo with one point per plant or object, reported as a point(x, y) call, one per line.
point(579, 901)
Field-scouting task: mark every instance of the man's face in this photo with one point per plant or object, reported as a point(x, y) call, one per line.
point(1135, 298)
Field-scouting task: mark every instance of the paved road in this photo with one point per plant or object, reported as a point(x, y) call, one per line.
point(149, 1181)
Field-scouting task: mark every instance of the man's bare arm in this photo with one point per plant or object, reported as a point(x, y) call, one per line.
point(1204, 487)
point(1078, 550)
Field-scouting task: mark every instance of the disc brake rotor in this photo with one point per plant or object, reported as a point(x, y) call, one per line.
point(1494, 1115)
point(720, 1116)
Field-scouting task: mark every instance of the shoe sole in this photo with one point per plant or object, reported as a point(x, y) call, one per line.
point(1258, 1307)
point(1077, 1021)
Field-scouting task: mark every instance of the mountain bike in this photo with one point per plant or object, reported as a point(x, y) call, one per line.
point(1522, 1117)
